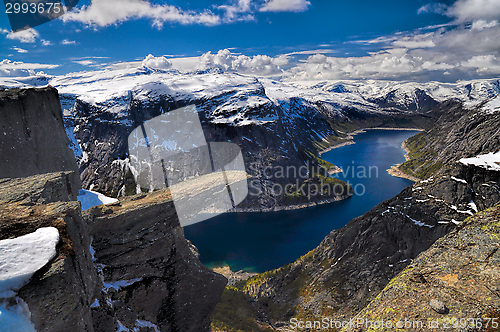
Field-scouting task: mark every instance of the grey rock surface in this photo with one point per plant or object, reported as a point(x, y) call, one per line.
point(148, 269)
point(32, 136)
point(438, 306)
point(353, 265)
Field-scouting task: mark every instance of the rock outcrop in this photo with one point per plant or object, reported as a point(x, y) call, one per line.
point(453, 285)
point(151, 276)
point(352, 265)
point(59, 295)
point(124, 267)
point(33, 138)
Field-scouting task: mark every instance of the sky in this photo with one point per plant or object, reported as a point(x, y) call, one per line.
point(308, 40)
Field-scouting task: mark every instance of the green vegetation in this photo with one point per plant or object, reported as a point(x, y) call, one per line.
point(295, 285)
point(235, 313)
point(323, 163)
point(330, 141)
point(421, 162)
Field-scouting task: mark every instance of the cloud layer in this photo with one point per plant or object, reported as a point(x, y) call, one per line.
point(156, 62)
point(257, 65)
point(108, 12)
point(18, 69)
point(285, 6)
point(101, 13)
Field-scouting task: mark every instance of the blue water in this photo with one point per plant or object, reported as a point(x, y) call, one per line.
point(261, 241)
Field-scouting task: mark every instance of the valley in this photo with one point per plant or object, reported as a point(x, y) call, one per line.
point(277, 126)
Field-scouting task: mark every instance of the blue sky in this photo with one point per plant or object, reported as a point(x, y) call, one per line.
point(100, 32)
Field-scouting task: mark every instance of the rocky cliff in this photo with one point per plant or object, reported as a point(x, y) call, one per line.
point(453, 285)
point(33, 139)
point(150, 274)
point(353, 264)
point(60, 294)
point(123, 267)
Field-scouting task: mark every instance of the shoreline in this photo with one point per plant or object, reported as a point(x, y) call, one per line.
point(396, 172)
point(285, 208)
point(335, 147)
point(233, 276)
point(350, 136)
point(408, 129)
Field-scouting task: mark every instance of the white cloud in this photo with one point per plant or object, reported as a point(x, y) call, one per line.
point(285, 6)
point(19, 50)
point(46, 42)
point(307, 52)
point(438, 8)
point(473, 10)
point(68, 42)
point(256, 65)
point(108, 12)
point(239, 10)
point(415, 41)
point(156, 62)
point(17, 68)
point(466, 10)
point(85, 62)
point(25, 36)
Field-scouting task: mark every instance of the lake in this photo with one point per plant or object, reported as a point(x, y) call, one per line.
point(261, 241)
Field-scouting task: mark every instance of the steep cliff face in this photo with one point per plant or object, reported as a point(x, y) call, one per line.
point(60, 294)
point(125, 267)
point(150, 274)
point(455, 284)
point(33, 139)
point(353, 264)
point(270, 137)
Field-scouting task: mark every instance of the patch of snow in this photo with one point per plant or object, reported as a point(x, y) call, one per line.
point(461, 211)
point(106, 286)
point(490, 161)
point(458, 180)
point(90, 198)
point(23, 256)
point(15, 318)
point(492, 106)
point(121, 328)
point(95, 304)
point(91, 249)
point(73, 142)
point(419, 223)
point(143, 323)
point(473, 206)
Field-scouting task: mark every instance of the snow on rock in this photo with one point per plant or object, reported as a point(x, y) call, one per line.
point(23, 256)
point(16, 317)
point(459, 180)
point(419, 223)
point(143, 323)
point(90, 198)
point(116, 285)
point(490, 161)
point(492, 106)
point(473, 206)
point(20, 259)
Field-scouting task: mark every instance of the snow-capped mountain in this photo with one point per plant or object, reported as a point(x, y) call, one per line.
point(275, 123)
